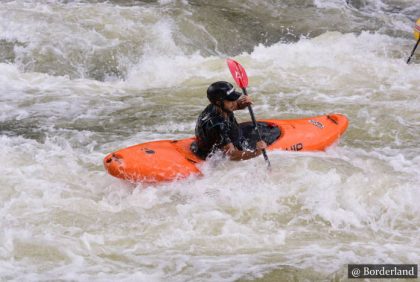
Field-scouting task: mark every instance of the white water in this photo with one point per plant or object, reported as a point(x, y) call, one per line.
point(80, 80)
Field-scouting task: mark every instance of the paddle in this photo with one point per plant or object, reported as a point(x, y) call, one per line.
point(416, 36)
point(241, 79)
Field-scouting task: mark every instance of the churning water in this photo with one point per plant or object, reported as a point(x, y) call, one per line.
point(79, 79)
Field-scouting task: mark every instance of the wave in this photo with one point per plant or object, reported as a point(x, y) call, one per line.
point(103, 41)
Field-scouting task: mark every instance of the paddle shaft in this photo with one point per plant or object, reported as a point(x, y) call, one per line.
point(414, 50)
point(251, 112)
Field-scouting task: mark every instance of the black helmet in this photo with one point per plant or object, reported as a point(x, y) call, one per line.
point(222, 90)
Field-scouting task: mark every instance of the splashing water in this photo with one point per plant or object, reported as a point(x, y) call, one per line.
point(79, 79)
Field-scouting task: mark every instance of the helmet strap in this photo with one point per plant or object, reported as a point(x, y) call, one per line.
point(223, 107)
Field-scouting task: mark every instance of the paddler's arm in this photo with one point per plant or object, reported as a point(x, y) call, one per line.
point(237, 155)
point(243, 102)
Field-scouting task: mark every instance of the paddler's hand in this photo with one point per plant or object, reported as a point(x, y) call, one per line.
point(243, 102)
point(261, 145)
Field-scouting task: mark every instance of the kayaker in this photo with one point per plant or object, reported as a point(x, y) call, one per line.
point(217, 128)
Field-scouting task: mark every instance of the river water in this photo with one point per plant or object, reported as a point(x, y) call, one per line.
point(80, 79)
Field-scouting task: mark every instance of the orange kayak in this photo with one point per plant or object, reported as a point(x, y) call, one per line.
point(169, 160)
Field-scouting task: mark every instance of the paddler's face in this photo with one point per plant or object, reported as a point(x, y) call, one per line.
point(230, 105)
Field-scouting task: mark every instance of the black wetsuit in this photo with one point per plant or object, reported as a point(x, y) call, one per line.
point(213, 132)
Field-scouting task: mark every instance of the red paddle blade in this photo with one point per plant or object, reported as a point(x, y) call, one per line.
point(238, 73)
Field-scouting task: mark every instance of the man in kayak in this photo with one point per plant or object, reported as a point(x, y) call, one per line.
point(217, 128)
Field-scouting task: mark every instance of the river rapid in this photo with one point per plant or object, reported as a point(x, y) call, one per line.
point(80, 79)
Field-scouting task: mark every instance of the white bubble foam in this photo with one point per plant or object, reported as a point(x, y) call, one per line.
point(63, 216)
